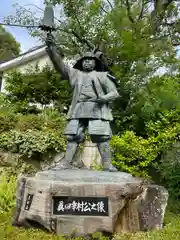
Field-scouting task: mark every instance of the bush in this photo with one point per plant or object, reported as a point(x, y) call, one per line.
point(48, 119)
point(136, 155)
point(5, 104)
point(34, 137)
point(32, 143)
point(10, 105)
point(53, 120)
point(165, 120)
point(165, 134)
point(169, 169)
point(7, 121)
point(31, 121)
point(133, 154)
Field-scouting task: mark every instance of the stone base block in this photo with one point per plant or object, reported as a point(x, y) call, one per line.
point(86, 202)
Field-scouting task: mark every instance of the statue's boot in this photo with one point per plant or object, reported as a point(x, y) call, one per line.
point(66, 162)
point(105, 152)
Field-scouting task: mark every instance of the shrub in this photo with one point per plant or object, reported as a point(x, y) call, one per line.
point(165, 134)
point(33, 137)
point(32, 143)
point(31, 121)
point(48, 119)
point(169, 169)
point(133, 154)
point(53, 120)
point(165, 120)
point(9, 104)
point(7, 121)
point(5, 103)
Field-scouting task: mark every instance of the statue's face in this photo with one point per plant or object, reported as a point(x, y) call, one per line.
point(88, 64)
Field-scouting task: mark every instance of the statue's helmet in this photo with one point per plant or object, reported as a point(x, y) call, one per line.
point(89, 55)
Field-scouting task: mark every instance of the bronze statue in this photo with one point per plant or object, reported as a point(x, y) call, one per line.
point(94, 90)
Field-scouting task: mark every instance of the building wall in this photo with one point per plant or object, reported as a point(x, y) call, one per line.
point(41, 61)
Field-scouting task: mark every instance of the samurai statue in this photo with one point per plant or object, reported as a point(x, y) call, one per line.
point(93, 91)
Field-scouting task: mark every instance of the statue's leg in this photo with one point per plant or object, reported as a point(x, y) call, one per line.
point(66, 161)
point(101, 133)
point(80, 136)
point(73, 141)
point(71, 149)
point(105, 152)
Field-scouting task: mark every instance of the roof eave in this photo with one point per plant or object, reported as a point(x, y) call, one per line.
point(22, 59)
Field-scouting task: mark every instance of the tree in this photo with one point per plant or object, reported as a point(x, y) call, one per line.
point(157, 102)
point(42, 86)
point(139, 36)
point(9, 47)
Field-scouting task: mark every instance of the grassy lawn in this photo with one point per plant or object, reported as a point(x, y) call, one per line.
point(171, 231)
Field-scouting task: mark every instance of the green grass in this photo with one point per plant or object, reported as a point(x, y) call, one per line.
point(171, 231)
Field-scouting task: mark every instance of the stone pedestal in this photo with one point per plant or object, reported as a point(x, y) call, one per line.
point(89, 155)
point(86, 202)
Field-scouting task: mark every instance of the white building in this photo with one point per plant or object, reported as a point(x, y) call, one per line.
point(25, 60)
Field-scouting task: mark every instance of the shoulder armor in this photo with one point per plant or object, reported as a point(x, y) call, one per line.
point(111, 76)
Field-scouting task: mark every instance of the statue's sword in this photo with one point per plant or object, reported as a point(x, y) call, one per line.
point(94, 88)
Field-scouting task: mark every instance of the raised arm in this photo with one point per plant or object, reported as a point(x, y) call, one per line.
point(55, 57)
